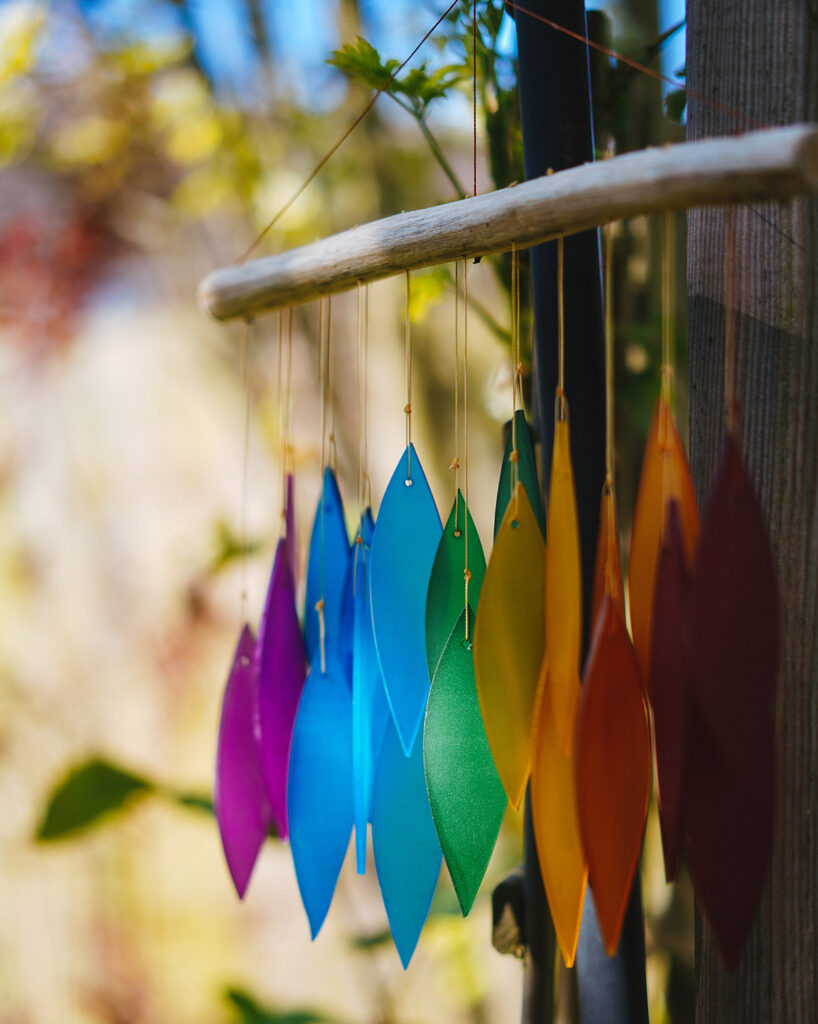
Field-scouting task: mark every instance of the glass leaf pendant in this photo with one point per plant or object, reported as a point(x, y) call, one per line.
point(526, 474)
point(465, 793)
point(613, 766)
point(404, 546)
point(239, 796)
point(508, 641)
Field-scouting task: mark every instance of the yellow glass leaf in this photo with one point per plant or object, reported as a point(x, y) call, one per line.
point(608, 565)
point(508, 641)
point(556, 827)
point(563, 591)
point(665, 476)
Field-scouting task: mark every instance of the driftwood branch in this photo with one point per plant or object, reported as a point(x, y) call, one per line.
point(775, 163)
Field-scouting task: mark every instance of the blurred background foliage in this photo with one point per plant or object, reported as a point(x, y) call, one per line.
point(142, 144)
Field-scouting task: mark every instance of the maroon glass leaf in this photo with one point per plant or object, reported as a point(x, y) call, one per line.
point(669, 686)
point(239, 796)
point(281, 668)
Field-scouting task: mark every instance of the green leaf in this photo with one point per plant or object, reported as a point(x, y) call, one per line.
point(374, 940)
point(362, 63)
point(85, 795)
point(675, 103)
point(250, 1011)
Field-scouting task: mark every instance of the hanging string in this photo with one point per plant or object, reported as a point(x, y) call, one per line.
point(332, 449)
point(323, 372)
point(281, 426)
point(466, 571)
point(361, 398)
point(455, 463)
point(668, 310)
point(730, 403)
point(514, 457)
point(289, 460)
point(560, 409)
point(367, 481)
point(245, 383)
point(609, 360)
point(474, 98)
point(408, 407)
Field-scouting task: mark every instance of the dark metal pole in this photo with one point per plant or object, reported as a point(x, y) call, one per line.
point(557, 124)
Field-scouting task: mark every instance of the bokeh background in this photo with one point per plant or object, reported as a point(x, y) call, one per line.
point(144, 143)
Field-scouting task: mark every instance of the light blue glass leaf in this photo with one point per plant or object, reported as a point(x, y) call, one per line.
point(370, 709)
point(403, 552)
point(407, 852)
point(465, 793)
point(320, 790)
point(327, 572)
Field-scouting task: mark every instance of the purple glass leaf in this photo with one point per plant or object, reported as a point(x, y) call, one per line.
point(403, 552)
point(327, 573)
point(281, 668)
point(239, 796)
point(292, 540)
point(319, 799)
point(370, 709)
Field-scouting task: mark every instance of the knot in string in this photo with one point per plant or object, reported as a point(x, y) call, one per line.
point(408, 408)
point(514, 456)
point(466, 575)
point(319, 607)
point(455, 464)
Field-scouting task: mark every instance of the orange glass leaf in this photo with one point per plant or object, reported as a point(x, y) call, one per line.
point(556, 828)
point(665, 476)
point(613, 763)
point(508, 641)
point(608, 565)
point(563, 592)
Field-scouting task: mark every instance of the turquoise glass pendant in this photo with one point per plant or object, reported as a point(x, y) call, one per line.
point(407, 851)
point(403, 551)
point(320, 789)
point(370, 710)
point(465, 793)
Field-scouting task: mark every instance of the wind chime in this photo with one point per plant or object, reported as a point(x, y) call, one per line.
point(422, 689)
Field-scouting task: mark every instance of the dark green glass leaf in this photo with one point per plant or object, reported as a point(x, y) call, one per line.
point(445, 599)
point(87, 793)
point(465, 792)
point(528, 474)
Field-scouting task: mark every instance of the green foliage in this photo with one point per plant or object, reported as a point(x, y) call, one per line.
point(229, 547)
point(89, 792)
point(249, 1011)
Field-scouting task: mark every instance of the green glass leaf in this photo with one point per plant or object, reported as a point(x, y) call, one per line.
point(87, 793)
point(527, 466)
point(465, 792)
point(445, 599)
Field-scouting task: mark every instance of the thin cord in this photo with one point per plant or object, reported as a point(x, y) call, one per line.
point(560, 406)
point(333, 451)
point(367, 482)
point(359, 370)
point(474, 97)
point(609, 357)
point(455, 463)
point(323, 349)
point(344, 136)
point(408, 407)
point(466, 572)
point(730, 406)
point(245, 380)
point(282, 429)
point(668, 311)
point(514, 458)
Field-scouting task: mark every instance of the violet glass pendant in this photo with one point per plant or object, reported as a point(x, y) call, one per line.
point(280, 664)
point(403, 551)
point(239, 797)
point(370, 710)
point(407, 852)
point(327, 573)
point(319, 799)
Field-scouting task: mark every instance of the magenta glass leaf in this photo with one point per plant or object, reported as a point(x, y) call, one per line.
point(292, 540)
point(370, 710)
point(669, 684)
point(239, 796)
point(319, 798)
point(328, 569)
point(281, 667)
point(403, 551)
point(407, 852)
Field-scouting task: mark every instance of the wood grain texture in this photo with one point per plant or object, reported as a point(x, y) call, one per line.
point(755, 165)
point(760, 59)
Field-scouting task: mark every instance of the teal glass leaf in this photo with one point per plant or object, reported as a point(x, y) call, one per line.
point(407, 851)
point(328, 567)
point(445, 598)
point(370, 709)
point(403, 551)
point(319, 796)
point(465, 793)
point(527, 466)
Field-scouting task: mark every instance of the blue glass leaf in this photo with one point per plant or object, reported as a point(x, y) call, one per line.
point(403, 552)
point(320, 790)
point(327, 572)
point(370, 709)
point(407, 852)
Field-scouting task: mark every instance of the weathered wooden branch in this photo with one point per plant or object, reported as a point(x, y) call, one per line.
point(775, 163)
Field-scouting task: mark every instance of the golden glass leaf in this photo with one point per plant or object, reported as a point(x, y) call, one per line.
point(563, 592)
point(665, 476)
point(508, 641)
point(556, 827)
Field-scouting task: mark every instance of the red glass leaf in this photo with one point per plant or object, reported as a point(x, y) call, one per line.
point(669, 696)
point(613, 769)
